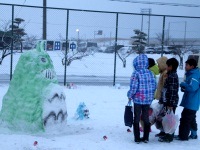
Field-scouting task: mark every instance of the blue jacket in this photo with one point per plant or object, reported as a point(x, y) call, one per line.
point(191, 86)
point(142, 82)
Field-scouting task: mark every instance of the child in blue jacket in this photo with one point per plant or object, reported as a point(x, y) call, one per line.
point(142, 88)
point(190, 101)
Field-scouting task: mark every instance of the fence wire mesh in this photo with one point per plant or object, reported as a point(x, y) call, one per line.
point(90, 47)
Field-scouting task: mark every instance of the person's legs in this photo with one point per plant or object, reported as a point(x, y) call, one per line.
point(145, 118)
point(137, 113)
point(187, 116)
point(193, 128)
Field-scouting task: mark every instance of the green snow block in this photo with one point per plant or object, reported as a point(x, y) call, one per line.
point(23, 104)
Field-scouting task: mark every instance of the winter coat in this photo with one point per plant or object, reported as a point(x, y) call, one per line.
point(142, 82)
point(163, 75)
point(170, 90)
point(191, 86)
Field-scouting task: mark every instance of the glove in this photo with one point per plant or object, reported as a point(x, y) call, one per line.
point(182, 89)
point(183, 84)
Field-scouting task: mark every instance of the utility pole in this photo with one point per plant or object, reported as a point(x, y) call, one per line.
point(148, 12)
point(142, 23)
point(185, 33)
point(168, 34)
point(149, 25)
point(44, 36)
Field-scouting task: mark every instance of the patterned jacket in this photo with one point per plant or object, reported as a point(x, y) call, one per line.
point(170, 90)
point(142, 82)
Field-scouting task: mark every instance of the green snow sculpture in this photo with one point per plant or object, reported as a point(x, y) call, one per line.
point(34, 96)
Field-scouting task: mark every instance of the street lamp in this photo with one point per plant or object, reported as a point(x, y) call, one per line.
point(146, 11)
point(77, 30)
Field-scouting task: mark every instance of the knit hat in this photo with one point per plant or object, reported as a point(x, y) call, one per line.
point(191, 62)
point(151, 62)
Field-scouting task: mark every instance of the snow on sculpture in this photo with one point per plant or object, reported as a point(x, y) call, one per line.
point(34, 97)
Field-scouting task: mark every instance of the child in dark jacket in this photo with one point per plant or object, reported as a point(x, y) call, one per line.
point(142, 88)
point(169, 95)
point(190, 101)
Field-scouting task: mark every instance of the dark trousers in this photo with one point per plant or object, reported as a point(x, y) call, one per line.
point(143, 111)
point(187, 122)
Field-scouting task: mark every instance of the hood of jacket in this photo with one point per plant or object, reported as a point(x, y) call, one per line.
point(140, 62)
point(162, 63)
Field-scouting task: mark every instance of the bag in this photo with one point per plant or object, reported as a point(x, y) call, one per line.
point(159, 119)
point(156, 108)
point(128, 115)
point(170, 122)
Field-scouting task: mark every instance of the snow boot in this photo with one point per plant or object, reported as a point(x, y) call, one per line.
point(161, 134)
point(193, 134)
point(167, 138)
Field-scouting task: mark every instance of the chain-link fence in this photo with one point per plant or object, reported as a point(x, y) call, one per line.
point(91, 47)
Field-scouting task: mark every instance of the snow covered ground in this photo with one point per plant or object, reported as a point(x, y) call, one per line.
point(106, 105)
point(99, 64)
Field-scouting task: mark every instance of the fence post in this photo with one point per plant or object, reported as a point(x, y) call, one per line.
point(66, 47)
point(116, 36)
point(11, 55)
point(163, 34)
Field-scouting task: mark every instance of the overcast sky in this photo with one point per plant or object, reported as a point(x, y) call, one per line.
point(106, 22)
point(107, 5)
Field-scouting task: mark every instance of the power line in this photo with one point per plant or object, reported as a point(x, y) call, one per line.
point(159, 3)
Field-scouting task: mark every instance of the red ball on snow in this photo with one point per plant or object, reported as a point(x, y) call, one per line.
point(128, 130)
point(35, 143)
point(105, 137)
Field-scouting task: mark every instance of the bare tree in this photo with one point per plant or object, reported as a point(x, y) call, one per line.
point(180, 50)
point(123, 53)
point(74, 55)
